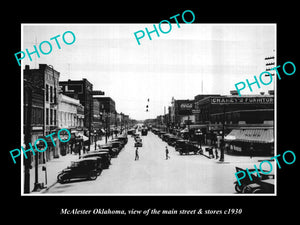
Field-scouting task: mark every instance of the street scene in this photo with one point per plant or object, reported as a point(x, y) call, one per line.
point(154, 173)
point(162, 118)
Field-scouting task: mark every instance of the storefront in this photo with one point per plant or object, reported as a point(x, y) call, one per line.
point(258, 140)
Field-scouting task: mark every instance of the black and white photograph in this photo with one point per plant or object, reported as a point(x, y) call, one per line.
point(110, 111)
point(149, 112)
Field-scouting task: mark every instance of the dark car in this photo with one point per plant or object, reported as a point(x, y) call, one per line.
point(172, 140)
point(82, 168)
point(161, 133)
point(131, 131)
point(116, 144)
point(262, 184)
point(185, 147)
point(112, 151)
point(165, 137)
point(123, 138)
point(144, 132)
point(103, 156)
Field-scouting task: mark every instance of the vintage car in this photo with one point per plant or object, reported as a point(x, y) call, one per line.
point(161, 133)
point(262, 184)
point(116, 144)
point(83, 168)
point(112, 151)
point(103, 156)
point(172, 140)
point(131, 132)
point(137, 138)
point(144, 132)
point(123, 138)
point(185, 147)
point(138, 144)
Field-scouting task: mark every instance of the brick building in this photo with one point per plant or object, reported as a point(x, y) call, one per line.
point(46, 79)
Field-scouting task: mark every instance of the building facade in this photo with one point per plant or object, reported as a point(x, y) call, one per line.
point(70, 116)
point(107, 112)
point(47, 79)
point(83, 91)
point(242, 121)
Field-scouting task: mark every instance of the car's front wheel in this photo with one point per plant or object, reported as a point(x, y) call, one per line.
point(61, 178)
point(93, 175)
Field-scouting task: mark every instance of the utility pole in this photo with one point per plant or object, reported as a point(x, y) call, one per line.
point(27, 139)
point(222, 143)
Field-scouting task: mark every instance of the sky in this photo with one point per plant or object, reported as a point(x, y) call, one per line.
point(190, 60)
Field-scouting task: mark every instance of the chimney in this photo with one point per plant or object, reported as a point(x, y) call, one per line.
point(27, 67)
point(262, 93)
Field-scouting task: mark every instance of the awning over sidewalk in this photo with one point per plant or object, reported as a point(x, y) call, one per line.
point(251, 135)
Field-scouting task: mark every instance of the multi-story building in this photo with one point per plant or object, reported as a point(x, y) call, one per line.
point(70, 116)
point(107, 110)
point(83, 91)
point(180, 111)
point(241, 121)
point(33, 103)
point(46, 78)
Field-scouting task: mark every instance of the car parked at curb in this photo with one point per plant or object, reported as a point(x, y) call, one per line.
point(103, 156)
point(83, 168)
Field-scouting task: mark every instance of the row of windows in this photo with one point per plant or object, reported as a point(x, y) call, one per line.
point(52, 117)
point(52, 94)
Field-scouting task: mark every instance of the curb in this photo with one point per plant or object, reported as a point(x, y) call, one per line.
point(47, 188)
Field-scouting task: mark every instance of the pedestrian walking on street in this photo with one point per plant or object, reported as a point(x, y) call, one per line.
point(167, 153)
point(251, 150)
point(137, 157)
point(216, 152)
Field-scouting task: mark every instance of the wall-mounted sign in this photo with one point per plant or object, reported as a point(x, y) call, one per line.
point(242, 100)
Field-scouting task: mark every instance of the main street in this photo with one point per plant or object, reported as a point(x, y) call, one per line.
point(153, 174)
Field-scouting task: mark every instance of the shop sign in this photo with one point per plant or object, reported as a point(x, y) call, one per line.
point(242, 100)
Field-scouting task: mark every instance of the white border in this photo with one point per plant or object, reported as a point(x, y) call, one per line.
point(149, 194)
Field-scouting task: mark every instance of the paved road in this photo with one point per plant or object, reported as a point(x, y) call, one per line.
point(153, 174)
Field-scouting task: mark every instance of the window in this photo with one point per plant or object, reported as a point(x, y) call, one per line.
point(55, 96)
point(47, 92)
point(47, 116)
point(51, 94)
point(51, 116)
point(54, 117)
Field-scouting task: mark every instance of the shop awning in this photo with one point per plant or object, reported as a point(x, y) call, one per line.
point(197, 126)
point(251, 135)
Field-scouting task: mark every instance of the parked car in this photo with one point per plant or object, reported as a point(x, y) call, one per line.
point(116, 144)
point(82, 168)
point(160, 133)
point(185, 147)
point(123, 138)
point(262, 184)
point(112, 151)
point(103, 156)
point(172, 140)
point(131, 131)
point(166, 136)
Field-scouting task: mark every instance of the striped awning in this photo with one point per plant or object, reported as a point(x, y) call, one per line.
point(251, 135)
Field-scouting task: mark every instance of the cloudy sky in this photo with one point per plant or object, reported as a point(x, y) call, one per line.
point(172, 65)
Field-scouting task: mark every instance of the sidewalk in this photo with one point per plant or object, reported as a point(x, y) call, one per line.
point(228, 158)
point(53, 167)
